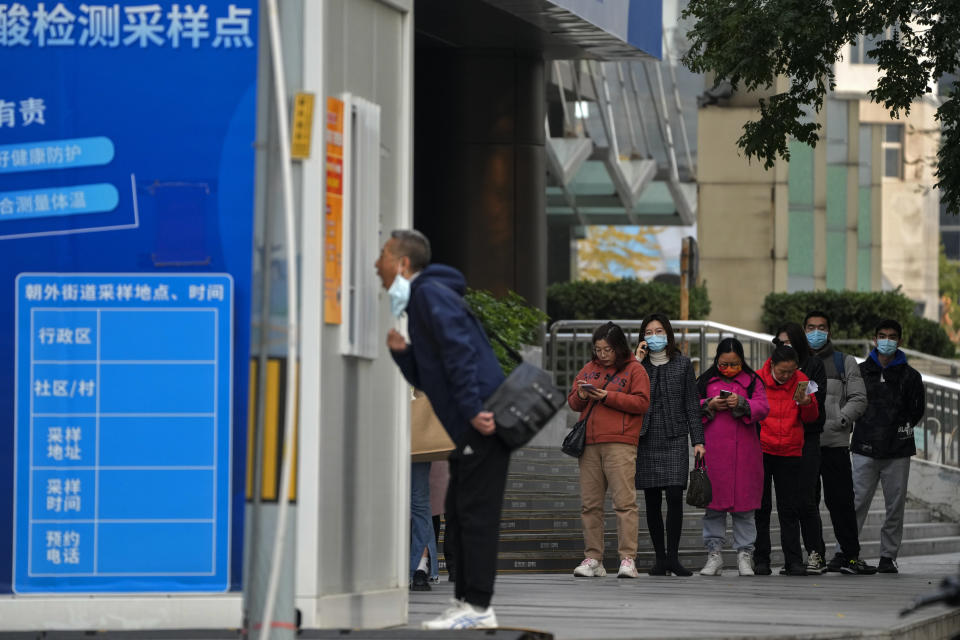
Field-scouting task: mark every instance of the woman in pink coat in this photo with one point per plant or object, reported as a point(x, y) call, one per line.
point(732, 401)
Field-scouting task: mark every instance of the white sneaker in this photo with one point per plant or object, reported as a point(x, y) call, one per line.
point(745, 563)
point(590, 568)
point(628, 569)
point(461, 615)
point(714, 566)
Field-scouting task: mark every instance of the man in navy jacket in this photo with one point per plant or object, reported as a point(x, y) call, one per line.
point(450, 359)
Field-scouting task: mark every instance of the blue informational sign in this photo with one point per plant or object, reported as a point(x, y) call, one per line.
point(127, 136)
point(123, 434)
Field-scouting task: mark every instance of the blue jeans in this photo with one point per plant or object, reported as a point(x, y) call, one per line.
point(421, 522)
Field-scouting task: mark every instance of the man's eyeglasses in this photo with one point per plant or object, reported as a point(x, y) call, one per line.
point(603, 351)
point(729, 365)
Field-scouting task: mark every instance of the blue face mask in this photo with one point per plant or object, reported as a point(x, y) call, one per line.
point(656, 343)
point(887, 347)
point(399, 293)
point(817, 338)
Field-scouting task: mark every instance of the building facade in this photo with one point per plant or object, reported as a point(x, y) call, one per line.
point(857, 212)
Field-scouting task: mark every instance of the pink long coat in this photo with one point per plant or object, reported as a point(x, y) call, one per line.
point(733, 458)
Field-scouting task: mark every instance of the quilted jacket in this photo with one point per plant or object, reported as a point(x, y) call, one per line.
point(781, 432)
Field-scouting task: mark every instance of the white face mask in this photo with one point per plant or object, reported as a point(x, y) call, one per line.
point(777, 379)
point(399, 293)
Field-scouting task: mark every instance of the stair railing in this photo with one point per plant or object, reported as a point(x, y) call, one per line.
point(569, 345)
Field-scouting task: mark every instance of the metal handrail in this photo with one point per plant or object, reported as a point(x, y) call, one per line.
point(867, 347)
point(935, 437)
point(756, 345)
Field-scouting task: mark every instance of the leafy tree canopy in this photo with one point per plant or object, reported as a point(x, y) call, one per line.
point(750, 43)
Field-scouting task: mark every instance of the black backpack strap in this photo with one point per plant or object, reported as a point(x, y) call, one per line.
point(840, 366)
point(753, 383)
point(510, 350)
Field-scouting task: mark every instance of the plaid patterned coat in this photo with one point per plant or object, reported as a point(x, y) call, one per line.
point(663, 455)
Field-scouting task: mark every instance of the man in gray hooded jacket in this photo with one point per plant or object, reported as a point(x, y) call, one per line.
point(846, 401)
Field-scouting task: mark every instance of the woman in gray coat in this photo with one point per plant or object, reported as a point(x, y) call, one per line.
point(663, 455)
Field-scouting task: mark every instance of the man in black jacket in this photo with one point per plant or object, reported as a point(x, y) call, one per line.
point(883, 437)
point(451, 360)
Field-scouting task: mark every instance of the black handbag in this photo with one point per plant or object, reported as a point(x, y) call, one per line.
point(575, 441)
point(524, 402)
point(699, 490)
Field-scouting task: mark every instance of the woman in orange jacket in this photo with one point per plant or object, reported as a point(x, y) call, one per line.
point(612, 392)
point(792, 403)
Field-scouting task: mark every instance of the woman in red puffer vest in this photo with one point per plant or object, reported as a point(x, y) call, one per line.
point(781, 440)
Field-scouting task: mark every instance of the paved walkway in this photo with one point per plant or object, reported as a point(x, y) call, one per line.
point(829, 606)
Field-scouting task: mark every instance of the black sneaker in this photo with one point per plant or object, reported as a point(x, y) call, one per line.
point(857, 567)
point(835, 565)
point(420, 581)
point(761, 569)
point(887, 565)
point(796, 570)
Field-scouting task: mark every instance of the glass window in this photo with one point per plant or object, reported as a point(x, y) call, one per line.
point(893, 151)
point(870, 43)
point(948, 221)
point(863, 44)
point(951, 244)
point(891, 162)
point(856, 56)
point(947, 82)
point(894, 133)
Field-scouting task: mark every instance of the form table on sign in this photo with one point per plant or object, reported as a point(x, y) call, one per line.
point(123, 432)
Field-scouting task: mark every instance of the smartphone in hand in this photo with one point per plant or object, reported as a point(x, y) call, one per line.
point(725, 394)
point(801, 390)
point(586, 386)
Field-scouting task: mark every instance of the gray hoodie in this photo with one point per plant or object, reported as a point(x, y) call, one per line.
point(846, 399)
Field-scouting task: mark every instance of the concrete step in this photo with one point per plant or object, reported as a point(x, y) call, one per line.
point(548, 468)
point(563, 561)
point(541, 528)
point(571, 522)
point(557, 507)
point(538, 503)
point(540, 454)
point(544, 485)
point(692, 539)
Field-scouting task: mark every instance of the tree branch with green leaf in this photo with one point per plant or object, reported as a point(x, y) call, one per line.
point(752, 43)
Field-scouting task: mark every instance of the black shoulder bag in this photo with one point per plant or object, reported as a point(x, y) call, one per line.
point(524, 402)
point(575, 441)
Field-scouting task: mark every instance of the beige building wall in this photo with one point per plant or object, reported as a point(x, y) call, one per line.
point(911, 209)
point(743, 212)
point(741, 220)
